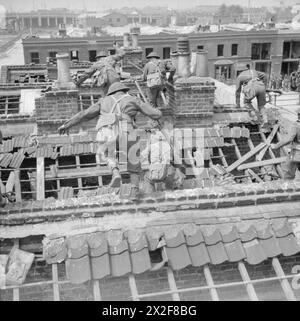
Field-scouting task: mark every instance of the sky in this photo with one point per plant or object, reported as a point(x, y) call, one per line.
point(101, 5)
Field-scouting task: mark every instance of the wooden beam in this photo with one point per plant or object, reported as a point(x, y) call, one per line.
point(18, 191)
point(96, 290)
point(133, 288)
point(268, 141)
point(172, 284)
point(55, 282)
point(246, 279)
point(254, 175)
point(286, 287)
point(40, 178)
point(267, 162)
point(209, 280)
point(16, 291)
point(10, 182)
point(245, 157)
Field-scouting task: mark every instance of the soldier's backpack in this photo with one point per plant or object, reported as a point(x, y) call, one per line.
point(249, 89)
point(155, 79)
point(108, 124)
point(158, 168)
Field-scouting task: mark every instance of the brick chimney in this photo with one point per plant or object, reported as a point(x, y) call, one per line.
point(191, 98)
point(133, 54)
point(64, 80)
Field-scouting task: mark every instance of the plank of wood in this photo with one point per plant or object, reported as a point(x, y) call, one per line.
point(267, 162)
point(268, 141)
point(245, 157)
point(10, 182)
point(254, 175)
point(40, 178)
point(18, 186)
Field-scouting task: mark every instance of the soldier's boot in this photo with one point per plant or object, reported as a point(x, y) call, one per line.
point(134, 189)
point(116, 178)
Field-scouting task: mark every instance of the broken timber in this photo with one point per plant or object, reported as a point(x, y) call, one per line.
point(267, 162)
point(245, 157)
point(268, 141)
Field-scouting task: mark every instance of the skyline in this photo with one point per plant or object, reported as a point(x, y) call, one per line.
point(102, 5)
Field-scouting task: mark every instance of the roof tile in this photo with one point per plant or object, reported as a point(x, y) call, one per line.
point(140, 261)
point(271, 247)
point(211, 235)
point(120, 263)
point(217, 253)
point(235, 251)
point(254, 252)
point(288, 245)
point(77, 246)
point(100, 266)
point(198, 254)
point(178, 257)
point(78, 270)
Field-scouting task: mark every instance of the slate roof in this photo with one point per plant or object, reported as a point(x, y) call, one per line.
point(116, 253)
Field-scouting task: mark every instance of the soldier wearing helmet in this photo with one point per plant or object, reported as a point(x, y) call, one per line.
point(116, 114)
point(104, 69)
point(253, 84)
point(292, 162)
point(155, 74)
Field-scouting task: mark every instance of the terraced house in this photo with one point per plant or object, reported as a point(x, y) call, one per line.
point(232, 232)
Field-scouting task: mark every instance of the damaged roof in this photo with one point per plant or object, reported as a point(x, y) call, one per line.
point(116, 253)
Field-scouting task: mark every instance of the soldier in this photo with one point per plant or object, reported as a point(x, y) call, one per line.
point(253, 84)
point(158, 154)
point(155, 74)
point(116, 114)
point(106, 68)
point(293, 160)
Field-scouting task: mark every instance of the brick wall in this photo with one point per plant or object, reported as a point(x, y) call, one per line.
point(134, 56)
point(192, 101)
point(113, 289)
point(54, 108)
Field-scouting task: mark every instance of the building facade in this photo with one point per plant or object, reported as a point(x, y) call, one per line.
point(276, 51)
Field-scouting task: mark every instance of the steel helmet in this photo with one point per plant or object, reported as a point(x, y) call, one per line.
point(115, 87)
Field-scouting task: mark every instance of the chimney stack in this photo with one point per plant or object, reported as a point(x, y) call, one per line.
point(201, 64)
point(135, 31)
point(126, 37)
point(183, 57)
point(64, 80)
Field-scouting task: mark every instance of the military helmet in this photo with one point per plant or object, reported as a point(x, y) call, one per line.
point(153, 54)
point(101, 54)
point(243, 67)
point(115, 87)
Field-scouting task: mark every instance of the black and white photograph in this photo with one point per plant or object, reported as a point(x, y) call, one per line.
point(149, 151)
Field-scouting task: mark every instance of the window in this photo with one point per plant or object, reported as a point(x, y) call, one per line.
point(9, 105)
point(166, 52)
point(35, 57)
point(92, 55)
point(223, 73)
point(148, 51)
point(220, 50)
point(154, 21)
point(74, 55)
point(200, 47)
point(260, 51)
point(144, 20)
point(52, 54)
point(118, 19)
point(234, 49)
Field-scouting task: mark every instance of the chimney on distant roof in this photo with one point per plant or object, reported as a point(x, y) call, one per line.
point(126, 37)
point(64, 80)
point(184, 57)
point(135, 31)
